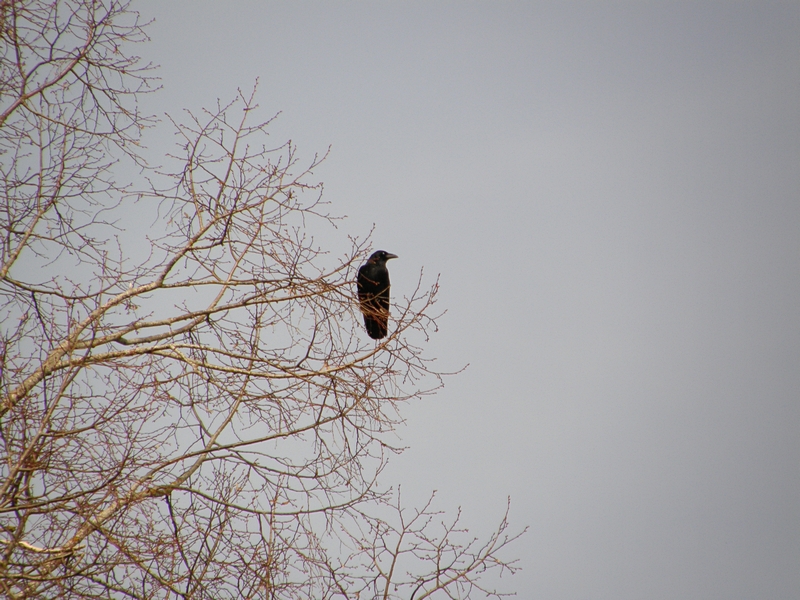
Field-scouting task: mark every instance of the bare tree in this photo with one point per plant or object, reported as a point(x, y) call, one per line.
point(203, 418)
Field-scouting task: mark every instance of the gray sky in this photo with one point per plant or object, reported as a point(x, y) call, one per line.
point(611, 193)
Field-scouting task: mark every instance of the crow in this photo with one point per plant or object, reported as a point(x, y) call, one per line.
point(373, 293)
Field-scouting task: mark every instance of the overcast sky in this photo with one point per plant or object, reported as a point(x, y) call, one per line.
point(611, 193)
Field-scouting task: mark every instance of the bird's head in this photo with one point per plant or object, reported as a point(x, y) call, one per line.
point(381, 256)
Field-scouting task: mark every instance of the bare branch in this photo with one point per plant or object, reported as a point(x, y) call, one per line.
point(196, 413)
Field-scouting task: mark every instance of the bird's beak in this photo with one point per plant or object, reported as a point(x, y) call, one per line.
point(390, 255)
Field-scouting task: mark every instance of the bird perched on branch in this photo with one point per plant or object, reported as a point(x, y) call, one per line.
point(373, 293)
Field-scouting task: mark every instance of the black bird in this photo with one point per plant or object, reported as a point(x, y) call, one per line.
point(373, 293)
